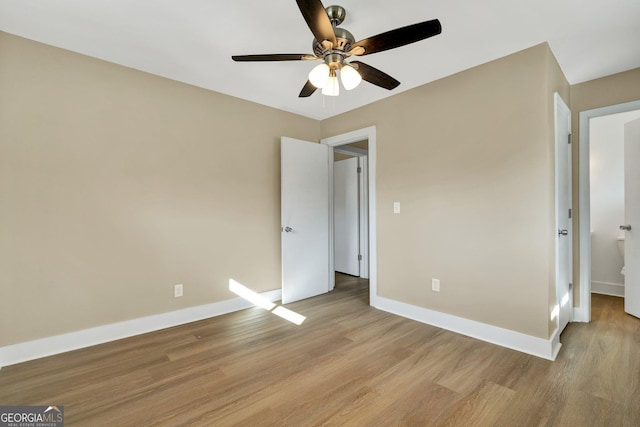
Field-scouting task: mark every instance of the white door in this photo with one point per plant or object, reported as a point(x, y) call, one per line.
point(632, 217)
point(304, 174)
point(346, 217)
point(564, 262)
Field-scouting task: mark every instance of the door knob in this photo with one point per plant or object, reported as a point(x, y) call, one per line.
point(625, 227)
point(563, 232)
point(288, 229)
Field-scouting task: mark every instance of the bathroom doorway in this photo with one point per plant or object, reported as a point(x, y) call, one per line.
point(602, 202)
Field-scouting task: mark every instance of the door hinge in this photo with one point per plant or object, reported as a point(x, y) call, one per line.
point(570, 286)
point(359, 169)
point(569, 138)
point(359, 257)
point(569, 213)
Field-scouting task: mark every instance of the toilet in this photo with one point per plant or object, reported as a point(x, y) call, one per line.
point(621, 250)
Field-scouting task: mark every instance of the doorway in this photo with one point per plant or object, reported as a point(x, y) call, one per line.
point(606, 151)
point(583, 312)
point(351, 209)
point(340, 141)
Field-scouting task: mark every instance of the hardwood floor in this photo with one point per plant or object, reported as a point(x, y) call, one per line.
point(347, 364)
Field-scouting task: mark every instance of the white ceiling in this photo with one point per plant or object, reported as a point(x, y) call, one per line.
point(192, 40)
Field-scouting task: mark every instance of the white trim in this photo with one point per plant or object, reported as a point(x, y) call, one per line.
point(22, 352)
point(353, 151)
point(579, 312)
point(583, 313)
point(363, 209)
point(363, 179)
point(544, 348)
point(331, 266)
point(605, 288)
point(369, 134)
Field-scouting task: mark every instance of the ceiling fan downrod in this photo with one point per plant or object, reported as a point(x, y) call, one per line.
point(336, 14)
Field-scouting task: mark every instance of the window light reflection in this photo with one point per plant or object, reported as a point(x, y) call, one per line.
point(260, 301)
point(289, 315)
point(251, 296)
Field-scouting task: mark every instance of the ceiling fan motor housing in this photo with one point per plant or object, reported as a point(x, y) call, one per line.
point(335, 57)
point(344, 40)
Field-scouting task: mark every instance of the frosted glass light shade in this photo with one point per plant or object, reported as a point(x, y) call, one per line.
point(332, 88)
point(319, 75)
point(350, 77)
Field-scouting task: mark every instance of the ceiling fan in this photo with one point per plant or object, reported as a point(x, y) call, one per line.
point(334, 45)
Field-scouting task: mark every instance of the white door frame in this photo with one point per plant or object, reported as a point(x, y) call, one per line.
point(363, 179)
point(583, 312)
point(369, 134)
point(363, 162)
point(347, 250)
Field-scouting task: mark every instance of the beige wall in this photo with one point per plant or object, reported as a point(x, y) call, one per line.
point(470, 157)
point(115, 185)
point(611, 90)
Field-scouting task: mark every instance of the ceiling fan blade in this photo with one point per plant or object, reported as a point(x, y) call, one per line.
point(375, 76)
point(307, 90)
point(275, 57)
point(396, 38)
point(318, 21)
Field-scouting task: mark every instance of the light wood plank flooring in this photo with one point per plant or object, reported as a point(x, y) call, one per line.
point(346, 365)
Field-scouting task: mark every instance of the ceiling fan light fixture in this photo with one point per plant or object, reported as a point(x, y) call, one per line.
point(332, 88)
point(319, 75)
point(350, 77)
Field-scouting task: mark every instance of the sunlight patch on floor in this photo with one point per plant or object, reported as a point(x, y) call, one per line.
point(260, 301)
point(251, 296)
point(289, 315)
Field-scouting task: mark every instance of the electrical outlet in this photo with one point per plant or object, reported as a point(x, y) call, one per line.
point(435, 285)
point(177, 291)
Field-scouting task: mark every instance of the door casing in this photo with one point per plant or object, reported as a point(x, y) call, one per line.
point(363, 188)
point(369, 134)
point(582, 313)
point(346, 214)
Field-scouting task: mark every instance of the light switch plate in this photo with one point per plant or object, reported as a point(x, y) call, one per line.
point(178, 291)
point(396, 207)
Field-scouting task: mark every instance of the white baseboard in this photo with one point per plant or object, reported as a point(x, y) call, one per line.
point(22, 352)
point(613, 289)
point(544, 348)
